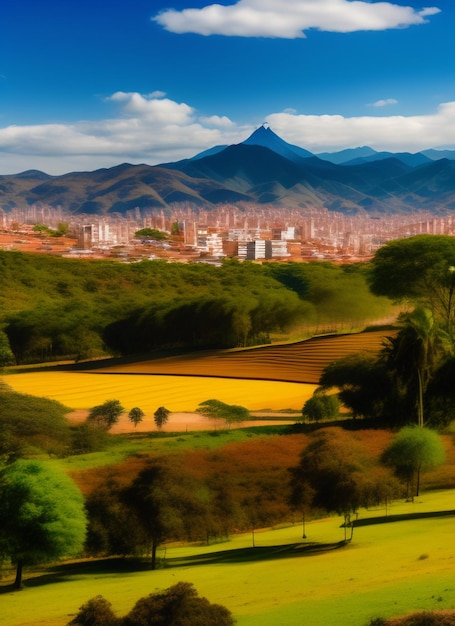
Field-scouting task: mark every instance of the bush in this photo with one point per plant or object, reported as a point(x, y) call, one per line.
point(85, 438)
point(34, 424)
point(96, 612)
point(321, 407)
point(179, 605)
point(424, 618)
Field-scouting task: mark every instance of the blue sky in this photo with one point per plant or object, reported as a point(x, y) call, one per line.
point(89, 84)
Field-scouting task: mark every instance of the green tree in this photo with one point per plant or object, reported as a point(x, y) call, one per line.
point(364, 386)
point(111, 528)
point(334, 475)
point(230, 413)
point(105, 415)
point(42, 228)
point(440, 396)
point(415, 353)
point(161, 416)
point(6, 354)
point(136, 415)
point(321, 407)
point(162, 504)
point(42, 515)
point(420, 269)
point(150, 233)
point(414, 450)
point(62, 229)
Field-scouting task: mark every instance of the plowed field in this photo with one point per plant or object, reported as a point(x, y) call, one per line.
point(300, 362)
point(267, 379)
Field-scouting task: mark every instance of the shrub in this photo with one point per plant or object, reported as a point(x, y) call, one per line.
point(179, 605)
point(96, 612)
point(321, 407)
point(424, 618)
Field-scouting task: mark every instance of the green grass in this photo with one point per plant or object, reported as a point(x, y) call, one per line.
point(388, 569)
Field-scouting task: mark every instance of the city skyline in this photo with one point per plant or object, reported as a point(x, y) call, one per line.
point(85, 86)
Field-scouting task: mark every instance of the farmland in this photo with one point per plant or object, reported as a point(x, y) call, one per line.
point(300, 362)
point(265, 576)
point(267, 379)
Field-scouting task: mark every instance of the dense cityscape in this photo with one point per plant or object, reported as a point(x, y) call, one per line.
point(246, 233)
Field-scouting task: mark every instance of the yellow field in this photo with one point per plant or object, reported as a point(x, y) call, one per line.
point(272, 377)
point(78, 390)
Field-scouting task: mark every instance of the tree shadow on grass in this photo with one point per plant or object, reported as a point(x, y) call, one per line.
point(64, 572)
point(114, 566)
point(258, 553)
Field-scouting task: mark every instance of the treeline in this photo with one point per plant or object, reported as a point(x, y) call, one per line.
point(410, 381)
point(53, 308)
point(206, 496)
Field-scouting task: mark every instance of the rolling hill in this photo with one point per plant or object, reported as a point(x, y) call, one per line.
point(263, 170)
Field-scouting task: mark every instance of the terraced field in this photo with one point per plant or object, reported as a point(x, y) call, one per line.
point(300, 362)
point(267, 379)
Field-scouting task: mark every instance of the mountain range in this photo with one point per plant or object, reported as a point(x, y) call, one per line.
point(262, 170)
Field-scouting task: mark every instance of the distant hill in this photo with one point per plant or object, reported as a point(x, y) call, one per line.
point(435, 155)
point(264, 169)
point(343, 156)
point(355, 156)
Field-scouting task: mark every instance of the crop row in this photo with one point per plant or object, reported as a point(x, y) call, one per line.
point(300, 362)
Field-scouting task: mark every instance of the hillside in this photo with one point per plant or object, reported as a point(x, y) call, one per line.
point(262, 170)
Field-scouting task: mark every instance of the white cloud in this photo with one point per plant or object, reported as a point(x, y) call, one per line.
point(384, 103)
point(320, 133)
point(154, 109)
point(290, 18)
point(150, 130)
point(217, 120)
point(153, 131)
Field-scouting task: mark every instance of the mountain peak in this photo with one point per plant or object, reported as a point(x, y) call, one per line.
point(265, 137)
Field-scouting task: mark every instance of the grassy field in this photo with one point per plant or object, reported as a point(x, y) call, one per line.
point(388, 569)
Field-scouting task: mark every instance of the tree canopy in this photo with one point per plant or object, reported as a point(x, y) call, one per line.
point(54, 307)
point(136, 415)
point(335, 475)
point(161, 416)
point(151, 233)
point(105, 415)
point(230, 413)
point(42, 515)
point(321, 407)
point(414, 355)
point(159, 502)
point(414, 450)
point(420, 269)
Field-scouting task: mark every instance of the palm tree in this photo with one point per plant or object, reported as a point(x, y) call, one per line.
point(414, 354)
